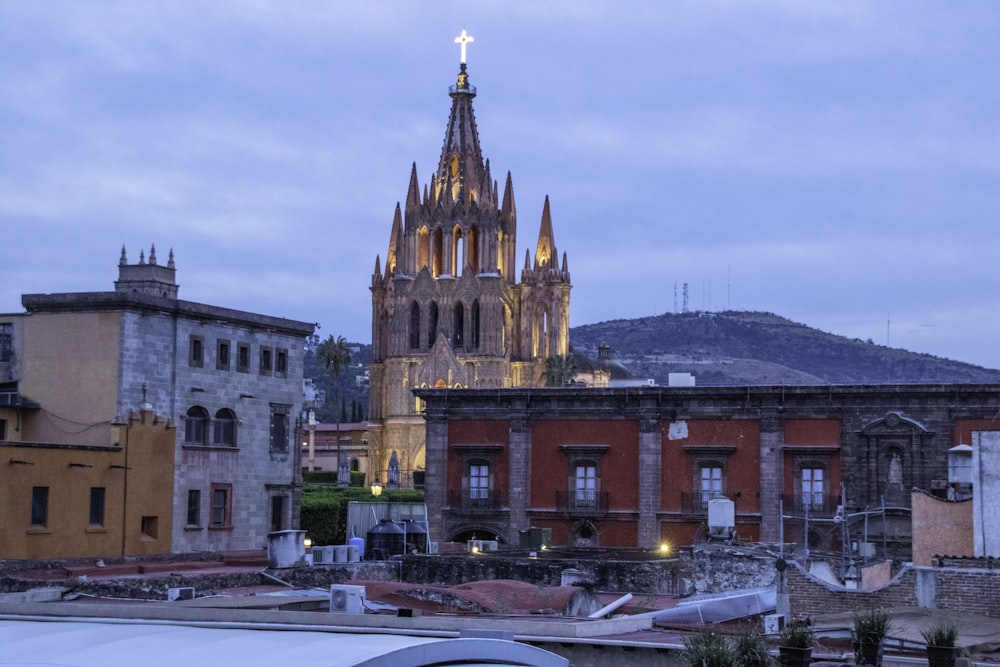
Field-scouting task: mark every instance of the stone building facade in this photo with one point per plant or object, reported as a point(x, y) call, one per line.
point(229, 380)
point(449, 307)
point(632, 467)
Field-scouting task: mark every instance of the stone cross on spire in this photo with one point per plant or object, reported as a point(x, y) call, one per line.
point(464, 39)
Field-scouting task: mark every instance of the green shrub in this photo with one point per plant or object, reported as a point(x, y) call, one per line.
point(322, 518)
point(751, 648)
point(796, 635)
point(319, 477)
point(870, 626)
point(943, 634)
point(707, 649)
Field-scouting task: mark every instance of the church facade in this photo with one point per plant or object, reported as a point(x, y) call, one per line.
point(449, 307)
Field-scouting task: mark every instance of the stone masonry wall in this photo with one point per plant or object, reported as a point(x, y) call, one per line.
point(974, 591)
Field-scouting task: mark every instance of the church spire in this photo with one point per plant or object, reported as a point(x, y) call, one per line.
point(461, 174)
point(546, 248)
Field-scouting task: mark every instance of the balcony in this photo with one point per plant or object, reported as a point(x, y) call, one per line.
point(587, 502)
point(485, 502)
point(819, 505)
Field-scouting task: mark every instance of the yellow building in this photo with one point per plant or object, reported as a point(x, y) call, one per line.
point(77, 501)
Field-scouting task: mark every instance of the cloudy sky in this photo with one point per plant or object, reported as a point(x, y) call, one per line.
point(834, 162)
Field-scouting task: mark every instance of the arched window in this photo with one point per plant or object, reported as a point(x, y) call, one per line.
point(475, 324)
point(438, 252)
point(432, 324)
point(196, 426)
point(472, 250)
point(224, 433)
point(457, 251)
point(540, 333)
point(414, 325)
point(459, 325)
point(423, 248)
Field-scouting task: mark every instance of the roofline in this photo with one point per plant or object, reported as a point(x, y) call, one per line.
point(89, 302)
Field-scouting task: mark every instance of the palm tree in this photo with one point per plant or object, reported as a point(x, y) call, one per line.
point(559, 370)
point(334, 355)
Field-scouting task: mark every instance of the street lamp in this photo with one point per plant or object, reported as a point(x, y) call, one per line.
point(376, 488)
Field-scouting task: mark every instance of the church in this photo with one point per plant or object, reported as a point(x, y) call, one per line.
point(448, 307)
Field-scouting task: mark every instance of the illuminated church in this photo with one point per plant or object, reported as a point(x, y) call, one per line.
point(447, 307)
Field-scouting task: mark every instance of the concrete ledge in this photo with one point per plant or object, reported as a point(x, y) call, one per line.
point(438, 625)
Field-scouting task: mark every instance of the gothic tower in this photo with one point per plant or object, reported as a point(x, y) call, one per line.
point(447, 310)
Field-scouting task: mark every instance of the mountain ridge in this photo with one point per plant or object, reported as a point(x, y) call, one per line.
point(752, 347)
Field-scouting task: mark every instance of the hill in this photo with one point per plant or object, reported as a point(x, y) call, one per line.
point(753, 348)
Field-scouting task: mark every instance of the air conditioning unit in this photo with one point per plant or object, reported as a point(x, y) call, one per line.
point(180, 593)
point(322, 555)
point(347, 599)
point(483, 545)
point(773, 623)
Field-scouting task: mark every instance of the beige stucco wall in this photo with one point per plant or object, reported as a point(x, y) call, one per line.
point(137, 478)
point(62, 356)
point(940, 528)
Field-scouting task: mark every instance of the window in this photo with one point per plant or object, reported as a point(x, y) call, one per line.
point(6, 341)
point(97, 506)
point(39, 506)
point(3, 429)
point(265, 361)
point(194, 507)
point(277, 513)
point(224, 431)
point(458, 328)
point(150, 527)
point(222, 355)
point(281, 362)
point(812, 489)
point(475, 324)
point(196, 426)
point(479, 483)
point(585, 486)
point(414, 325)
point(243, 358)
point(432, 324)
point(279, 427)
point(222, 510)
point(196, 346)
point(711, 483)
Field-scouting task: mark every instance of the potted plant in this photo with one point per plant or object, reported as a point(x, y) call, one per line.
point(707, 649)
point(869, 629)
point(941, 638)
point(795, 644)
point(751, 649)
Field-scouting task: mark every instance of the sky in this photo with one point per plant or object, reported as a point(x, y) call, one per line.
point(833, 162)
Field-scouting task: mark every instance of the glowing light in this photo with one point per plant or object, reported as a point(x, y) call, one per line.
point(376, 488)
point(475, 549)
point(664, 548)
point(464, 39)
point(308, 543)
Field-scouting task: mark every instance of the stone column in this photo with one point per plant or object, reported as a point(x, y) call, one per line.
point(650, 478)
point(772, 474)
point(519, 462)
point(436, 475)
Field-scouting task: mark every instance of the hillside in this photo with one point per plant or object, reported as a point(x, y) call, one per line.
point(739, 348)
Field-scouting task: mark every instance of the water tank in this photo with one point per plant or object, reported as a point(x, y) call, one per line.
point(384, 540)
point(416, 537)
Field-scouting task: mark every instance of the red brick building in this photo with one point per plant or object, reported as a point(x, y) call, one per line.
point(634, 467)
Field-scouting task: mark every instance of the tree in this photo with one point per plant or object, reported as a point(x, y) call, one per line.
point(559, 370)
point(334, 355)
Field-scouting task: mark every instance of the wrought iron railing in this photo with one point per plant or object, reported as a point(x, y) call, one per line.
point(586, 501)
point(475, 501)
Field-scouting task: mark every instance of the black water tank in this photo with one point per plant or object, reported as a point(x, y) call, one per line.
point(384, 540)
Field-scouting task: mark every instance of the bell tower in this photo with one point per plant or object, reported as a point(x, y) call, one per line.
point(447, 310)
